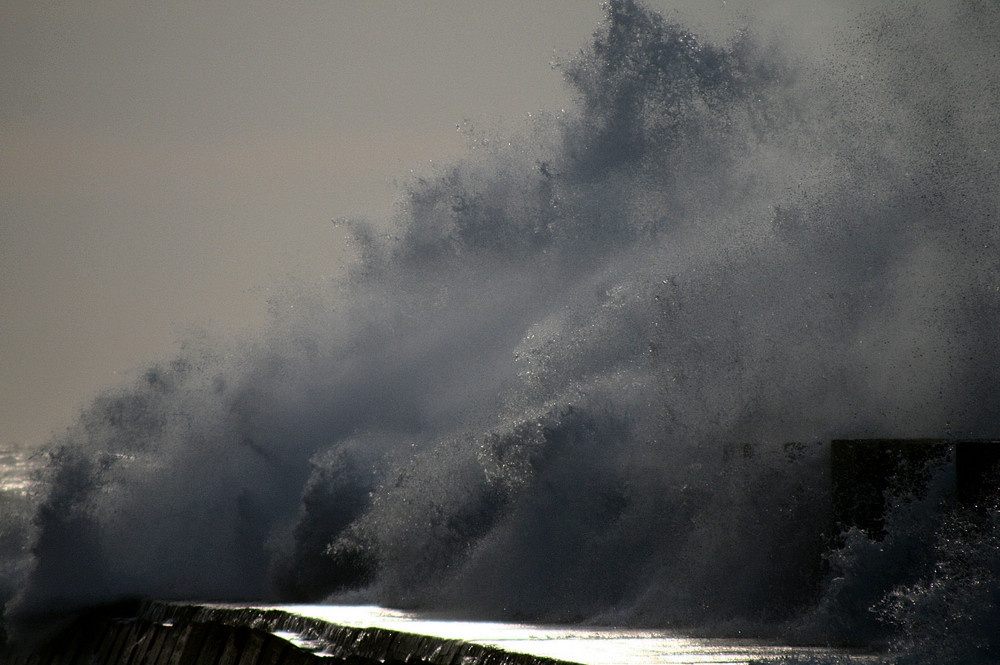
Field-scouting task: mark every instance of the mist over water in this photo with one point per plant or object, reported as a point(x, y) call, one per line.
point(588, 372)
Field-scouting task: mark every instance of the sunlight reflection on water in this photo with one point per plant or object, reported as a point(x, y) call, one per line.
point(591, 646)
point(16, 467)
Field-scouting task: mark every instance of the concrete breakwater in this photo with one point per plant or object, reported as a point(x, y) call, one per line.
point(866, 472)
point(184, 634)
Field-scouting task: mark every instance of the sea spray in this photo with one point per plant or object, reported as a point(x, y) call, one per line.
point(951, 612)
point(588, 372)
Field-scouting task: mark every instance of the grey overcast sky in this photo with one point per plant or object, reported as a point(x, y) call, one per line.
point(164, 164)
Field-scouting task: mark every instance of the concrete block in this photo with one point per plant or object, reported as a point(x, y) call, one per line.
point(236, 641)
point(865, 471)
point(977, 472)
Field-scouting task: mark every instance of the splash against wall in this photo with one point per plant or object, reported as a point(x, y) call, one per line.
point(531, 397)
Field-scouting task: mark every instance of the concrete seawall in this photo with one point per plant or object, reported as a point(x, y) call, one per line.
point(183, 634)
point(865, 472)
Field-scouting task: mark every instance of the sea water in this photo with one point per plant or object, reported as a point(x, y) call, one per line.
point(579, 644)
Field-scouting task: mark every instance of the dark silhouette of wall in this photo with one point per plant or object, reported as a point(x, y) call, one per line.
point(179, 634)
point(865, 473)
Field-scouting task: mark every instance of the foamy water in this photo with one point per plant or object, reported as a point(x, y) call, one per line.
point(580, 644)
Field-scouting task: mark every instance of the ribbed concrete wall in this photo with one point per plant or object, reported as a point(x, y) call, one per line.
point(181, 634)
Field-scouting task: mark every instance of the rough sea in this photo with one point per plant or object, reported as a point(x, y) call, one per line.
point(589, 373)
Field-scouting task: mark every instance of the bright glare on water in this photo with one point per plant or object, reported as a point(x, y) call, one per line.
point(591, 646)
point(16, 467)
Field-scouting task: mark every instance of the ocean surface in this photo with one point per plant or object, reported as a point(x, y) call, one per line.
point(589, 374)
point(19, 468)
point(581, 644)
point(16, 469)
